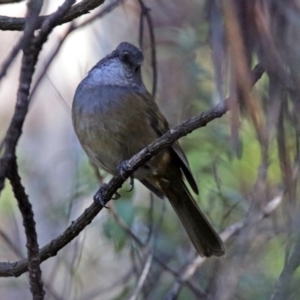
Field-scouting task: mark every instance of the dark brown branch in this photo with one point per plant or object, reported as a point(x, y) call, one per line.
point(35, 273)
point(82, 8)
point(108, 190)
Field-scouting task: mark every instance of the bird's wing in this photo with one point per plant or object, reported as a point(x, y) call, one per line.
point(161, 126)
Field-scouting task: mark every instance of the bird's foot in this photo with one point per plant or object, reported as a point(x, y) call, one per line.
point(99, 197)
point(122, 168)
point(116, 196)
point(131, 182)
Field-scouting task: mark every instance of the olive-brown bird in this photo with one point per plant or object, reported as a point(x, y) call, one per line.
point(115, 117)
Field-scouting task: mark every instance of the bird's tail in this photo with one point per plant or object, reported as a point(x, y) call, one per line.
point(205, 239)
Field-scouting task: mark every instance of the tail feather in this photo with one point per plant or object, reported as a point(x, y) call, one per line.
point(205, 239)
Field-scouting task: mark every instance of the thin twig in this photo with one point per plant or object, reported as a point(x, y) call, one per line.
point(156, 258)
point(142, 278)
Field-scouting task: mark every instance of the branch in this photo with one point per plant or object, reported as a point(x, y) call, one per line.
point(82, 8)
point(35, 273)
point(108, 190)
point(142, 278)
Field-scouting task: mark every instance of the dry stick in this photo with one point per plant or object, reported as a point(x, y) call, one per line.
point(79, 9)
point(142, 278)
point(29, 61)
point(35, 273)
point(190, 270)
point(108, 190)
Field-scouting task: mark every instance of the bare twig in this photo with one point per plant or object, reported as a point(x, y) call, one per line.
point(35, 273)
point(142, 278)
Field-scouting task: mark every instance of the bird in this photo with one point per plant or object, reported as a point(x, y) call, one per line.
point(115, 117)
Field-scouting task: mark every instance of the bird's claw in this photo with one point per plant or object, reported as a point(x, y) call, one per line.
point(99, 197)
point(116, 196)
point(131, 182)
point(122, 168)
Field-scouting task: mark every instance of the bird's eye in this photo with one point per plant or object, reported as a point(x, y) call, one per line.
point(137, 68)
point(125, 57)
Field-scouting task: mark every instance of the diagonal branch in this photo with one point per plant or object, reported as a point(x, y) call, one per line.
point(108, 190)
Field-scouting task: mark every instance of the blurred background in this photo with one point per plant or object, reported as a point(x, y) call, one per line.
point(246, 163)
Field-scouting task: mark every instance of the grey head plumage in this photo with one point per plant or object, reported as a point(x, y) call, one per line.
point(122, 67)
